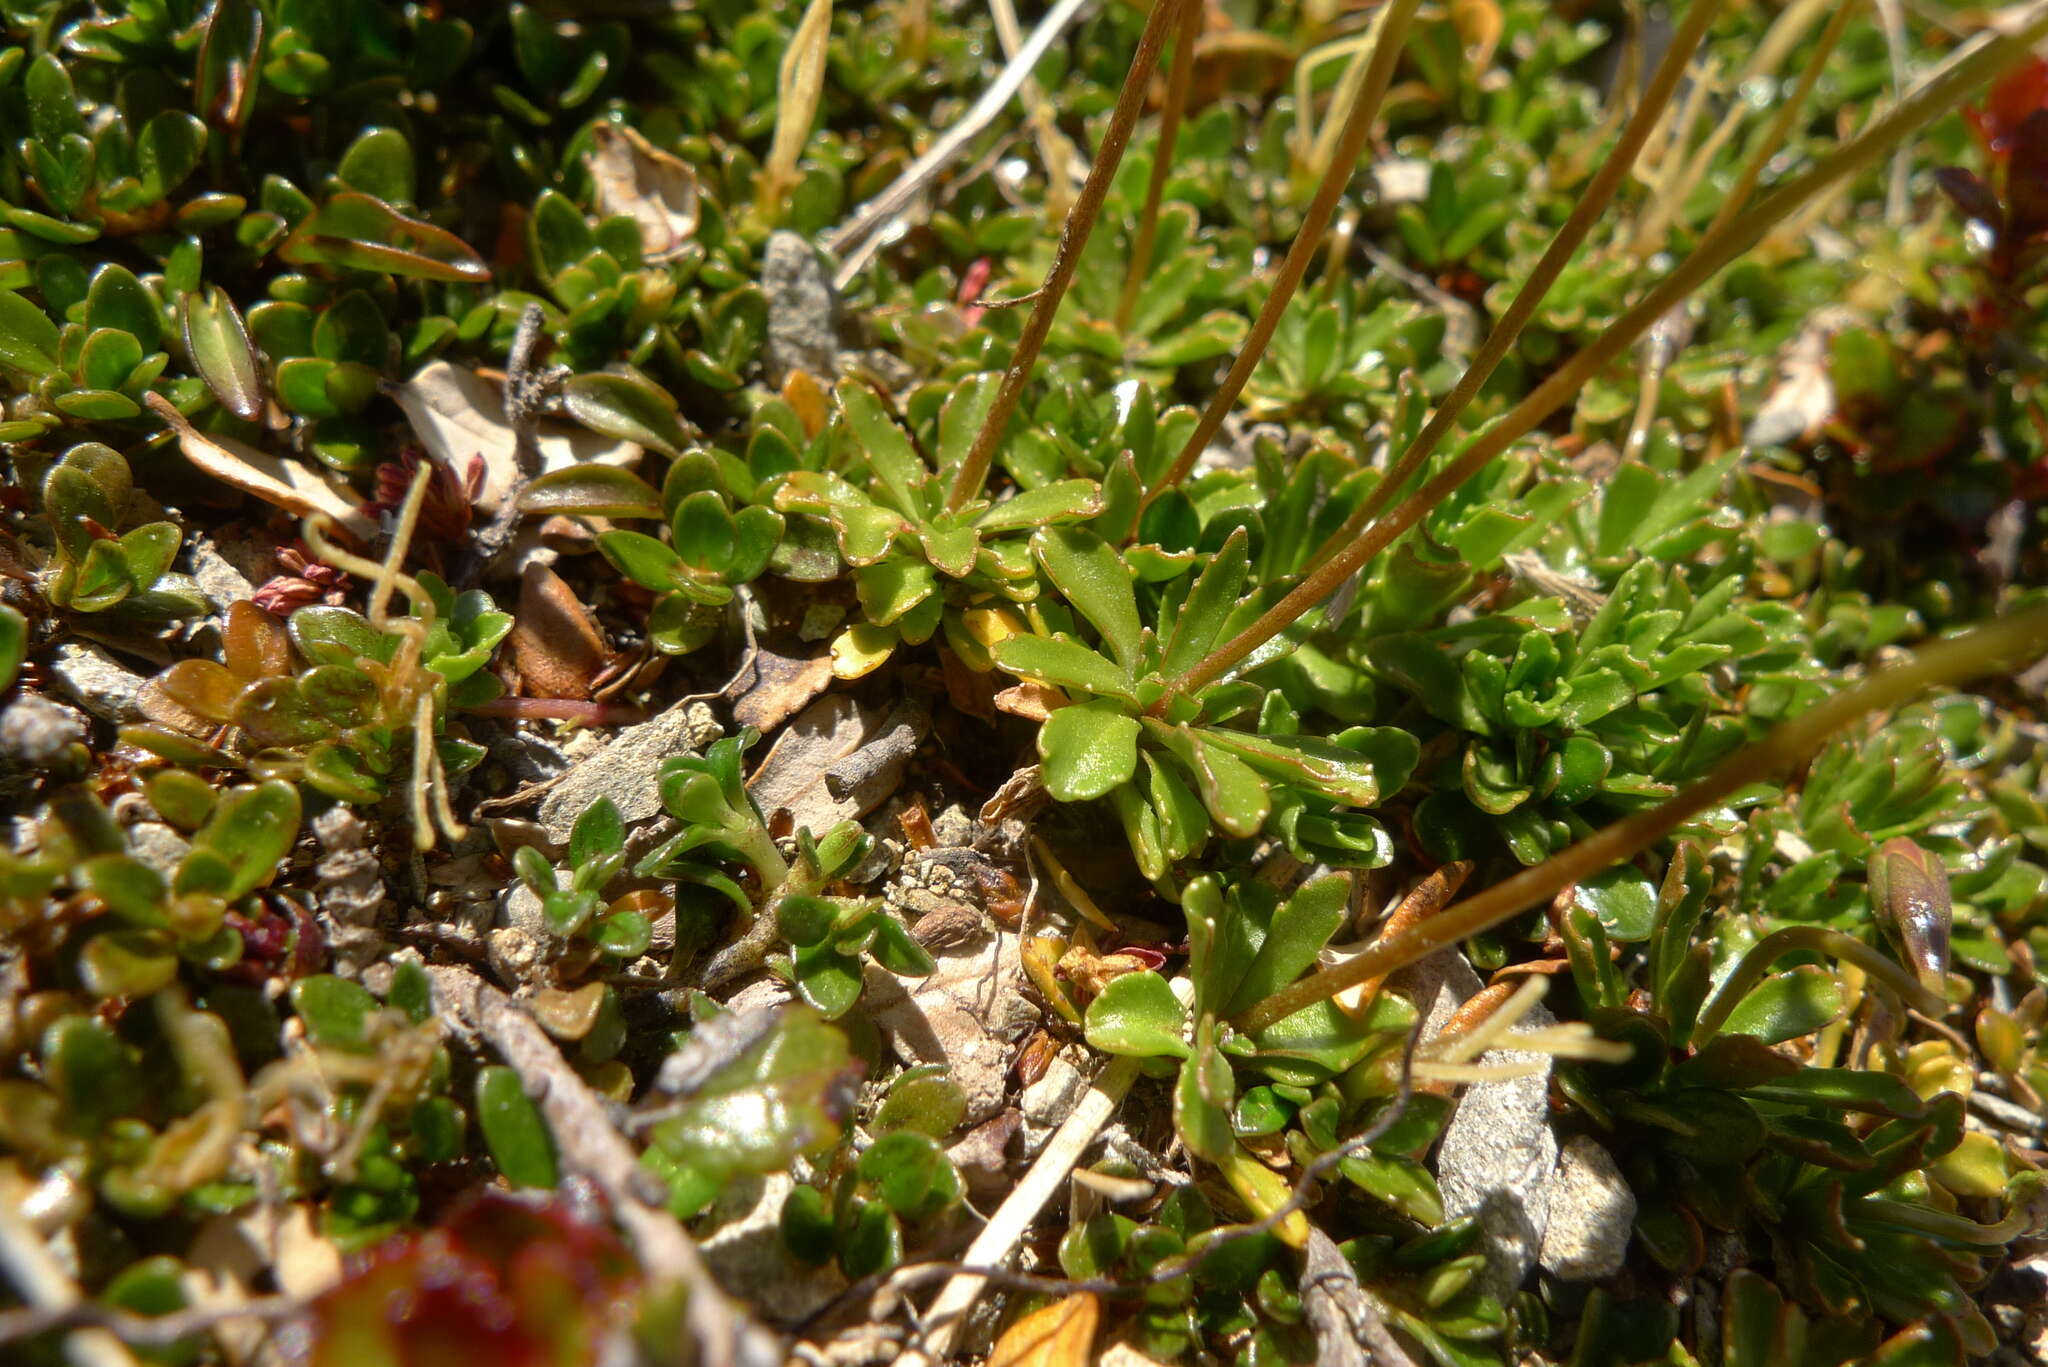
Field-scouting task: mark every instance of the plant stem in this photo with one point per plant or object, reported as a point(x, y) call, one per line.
point(1073, 237)
point(1599, 193)
point(1767, 951)
point(1781, 122)
point(1713, 253)
point(1989, 647)
point(1357, 127)
point(1177, 82)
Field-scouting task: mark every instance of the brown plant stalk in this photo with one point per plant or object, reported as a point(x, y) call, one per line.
point(1073, 238)
point(1350, 144)
point(1707, 259)
point(1178, 78)
point(1587, 212)
point(2001, 643)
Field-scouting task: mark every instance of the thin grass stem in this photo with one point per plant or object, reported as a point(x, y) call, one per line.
point(1178, 78)
point(1357, 127)
point(1781, 122)
point(1507, 330)
point(1999, 644)
point(1707, 259)
point(1073, 238)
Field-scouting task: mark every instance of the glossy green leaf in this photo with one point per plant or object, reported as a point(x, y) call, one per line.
point(1087, 749)
point(1137, 1014)
point(358, 232)
point(514, 1131)
point(1094, 581)
point(628, 407)
point(335, 1010)
point(592, 490)
point(220, 349)
point(1066, 663)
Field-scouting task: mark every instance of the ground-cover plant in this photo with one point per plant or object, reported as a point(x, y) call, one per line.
point(1317, 462)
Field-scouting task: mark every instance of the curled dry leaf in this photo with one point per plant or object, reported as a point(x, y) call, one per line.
point(1059, 1335)
point(780, 686)
point(555, 643)
point(457, 413)
point(298, 489)
point(631, 176)
point(1804, 396)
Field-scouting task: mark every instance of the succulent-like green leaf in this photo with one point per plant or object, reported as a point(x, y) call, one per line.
point(1087, 749)
point(1095, 582)
point(1137, 1014)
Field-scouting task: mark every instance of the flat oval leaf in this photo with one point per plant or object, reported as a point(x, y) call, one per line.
point(591, 490)
point(513, 1129)
point(627, 407)
point(360, 232)
point(1088, 749)
point(218, 343)
point(1094, 580)
point(1137, 1014)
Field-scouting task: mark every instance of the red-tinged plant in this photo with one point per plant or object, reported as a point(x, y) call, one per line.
point(503, 1280)
point(2019, 93)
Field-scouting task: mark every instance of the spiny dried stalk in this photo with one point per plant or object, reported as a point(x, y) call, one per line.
point(1707, 259)
point(1073, 238)
point(1591, 207)
point(1998, 644)
point(1350, 144)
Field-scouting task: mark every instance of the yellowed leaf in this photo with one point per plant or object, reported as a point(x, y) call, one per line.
point(1059, 1335)
point(297, 488)
point(1264, 1191)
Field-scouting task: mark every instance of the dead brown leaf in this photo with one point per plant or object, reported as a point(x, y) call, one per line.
point(297, 488)
point(1031, 701)
point(457, 413)
point(555, 643)
point(631, 176)
point(782, 686)
point(1059, 1335)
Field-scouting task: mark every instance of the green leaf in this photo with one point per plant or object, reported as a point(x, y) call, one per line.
point(827, 979)
point(1203, 1096)
point(1065, 663)
point(911, 1173)
point(379, 163)
point(628, 407)
point(336, 1011)
point(53, 106)
point(785, 1096)
point(1787, 1005)
point(1373, 762)
point(1066, 501)
point(1237, 798)
point(132, 890)
point(28, 339)
point(252, 830)
point(1847, 1089)
point(13, 645)
point(357, 232)
point(924, 1099)
point(1088, 749)
point(118, 300)
point(592, 490)
point(646, 561)
point(518, 1138)
point(1093, 579)
point(1208, 606)
point(219, 346)
point(1299, 930)
point(889, 588)
point(598, 832)
point(888, 450)
point(1137, 1014)
point(1624, 900)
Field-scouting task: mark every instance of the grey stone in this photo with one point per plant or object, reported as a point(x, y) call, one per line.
point(1050, 1100)
point(964, 1014)
point(218, 578)
point(97, 681)
point(623, 771)
point(1496, 1154)
point(1592, 1213)
point(747, 1254)
point(36, 733)
point(158, 846)
point(803, 312)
